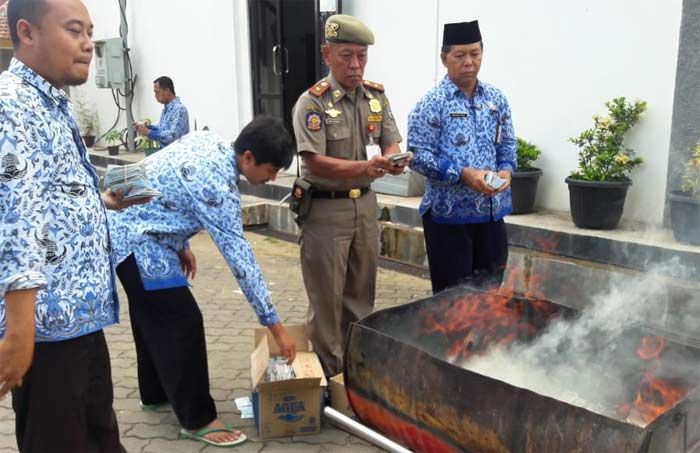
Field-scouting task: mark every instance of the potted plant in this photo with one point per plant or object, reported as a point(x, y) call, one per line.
point(525, 179)
point(88, 121)
point(147, 145)
point(598, 188)
point(115, 138)
point(685, 203)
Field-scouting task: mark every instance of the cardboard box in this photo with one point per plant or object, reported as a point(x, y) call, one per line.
point(291, 407)
point(339, 397)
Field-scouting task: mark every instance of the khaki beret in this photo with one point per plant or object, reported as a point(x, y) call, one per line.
point(344, 28)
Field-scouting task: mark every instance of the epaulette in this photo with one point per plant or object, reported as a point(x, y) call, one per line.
point(321, 87)
point(377, 86)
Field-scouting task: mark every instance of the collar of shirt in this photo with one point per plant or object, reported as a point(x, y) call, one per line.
point(451, 90)
point(338, 92)
point(30, 76)
point(173, 102)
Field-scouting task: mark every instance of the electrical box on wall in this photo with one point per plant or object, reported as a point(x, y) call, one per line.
point(109, 64)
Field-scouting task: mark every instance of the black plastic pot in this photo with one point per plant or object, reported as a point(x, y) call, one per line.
point(597, 204)
point(113, 150)
point(89, 140)
point(523, 188)
point(685, 217)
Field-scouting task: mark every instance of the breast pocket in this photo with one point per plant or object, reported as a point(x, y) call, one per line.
point(72, 180)
point(337, 132)
point(338, 141)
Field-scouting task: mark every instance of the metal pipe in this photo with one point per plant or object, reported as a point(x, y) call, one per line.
point(363, 432)
point(129, 83)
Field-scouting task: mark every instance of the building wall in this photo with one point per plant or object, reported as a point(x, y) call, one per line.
point(557, 62)
point(204, 49)
point(686, 115)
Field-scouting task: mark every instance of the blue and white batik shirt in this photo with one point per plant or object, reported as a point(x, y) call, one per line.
point(448, 131)
point(174, 123)
point(53, 234)
point(198, 178)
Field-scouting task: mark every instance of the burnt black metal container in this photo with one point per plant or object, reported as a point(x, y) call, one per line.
point(400, 383)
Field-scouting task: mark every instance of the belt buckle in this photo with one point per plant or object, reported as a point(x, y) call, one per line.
point(354, 193)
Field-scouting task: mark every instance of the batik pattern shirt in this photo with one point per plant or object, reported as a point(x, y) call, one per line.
point(447, 131)
point(198, 178)
point(174, 123)
point(53, 234)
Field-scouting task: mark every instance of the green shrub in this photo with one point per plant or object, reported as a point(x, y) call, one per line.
point(113, 136)
point(691, 176)
point(527, 153)
point(602, 155)
point(88, 119)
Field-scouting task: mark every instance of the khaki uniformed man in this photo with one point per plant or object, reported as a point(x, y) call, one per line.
point(344, 130)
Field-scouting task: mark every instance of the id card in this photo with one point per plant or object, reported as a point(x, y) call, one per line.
point(373, 149)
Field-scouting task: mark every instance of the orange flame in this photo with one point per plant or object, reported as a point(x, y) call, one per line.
point(655, 394)
point(651, 347)
point(549, 244)
point(481, 320)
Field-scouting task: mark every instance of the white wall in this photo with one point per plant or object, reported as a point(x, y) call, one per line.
point(203, 46)
point(401, 58)
point(557, 62)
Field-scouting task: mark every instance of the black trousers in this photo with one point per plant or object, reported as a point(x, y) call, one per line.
point(65, 402)
point(171, 351)
point(475, 253)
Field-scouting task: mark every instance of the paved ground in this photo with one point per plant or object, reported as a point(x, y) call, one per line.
point(229, 325)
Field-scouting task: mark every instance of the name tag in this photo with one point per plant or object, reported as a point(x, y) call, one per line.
point(458, 114)
point(373, 150)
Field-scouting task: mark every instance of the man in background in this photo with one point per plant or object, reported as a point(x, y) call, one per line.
point(174, 120)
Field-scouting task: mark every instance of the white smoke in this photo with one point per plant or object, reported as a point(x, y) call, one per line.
point(579, 361)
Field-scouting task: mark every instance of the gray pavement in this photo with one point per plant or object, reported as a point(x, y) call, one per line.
point(229, 323)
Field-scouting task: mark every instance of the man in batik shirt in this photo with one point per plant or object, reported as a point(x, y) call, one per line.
point(57, 288)
point(198, 178)
point(174, 119)
point(459, 132)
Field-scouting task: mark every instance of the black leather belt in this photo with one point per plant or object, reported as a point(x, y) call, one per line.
point(333, 194)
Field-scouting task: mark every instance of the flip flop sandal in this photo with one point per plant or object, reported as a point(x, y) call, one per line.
point(199, 435)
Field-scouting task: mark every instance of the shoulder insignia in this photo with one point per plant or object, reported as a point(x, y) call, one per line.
point(377, 86)
point(320, 88)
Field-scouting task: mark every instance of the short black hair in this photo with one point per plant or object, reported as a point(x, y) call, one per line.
point(446, 49)
point(165, 82)
point(29, 10)
point(269, 140)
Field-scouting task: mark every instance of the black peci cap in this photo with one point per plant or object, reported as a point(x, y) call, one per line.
point(461, 33)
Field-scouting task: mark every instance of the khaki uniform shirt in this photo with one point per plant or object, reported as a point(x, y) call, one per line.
point(340, 124)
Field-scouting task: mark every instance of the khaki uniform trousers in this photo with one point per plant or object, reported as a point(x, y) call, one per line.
point(339, 248)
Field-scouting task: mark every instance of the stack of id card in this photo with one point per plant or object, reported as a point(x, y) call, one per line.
point(131, 180)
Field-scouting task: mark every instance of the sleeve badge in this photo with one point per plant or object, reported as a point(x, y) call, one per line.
point(313, 121)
